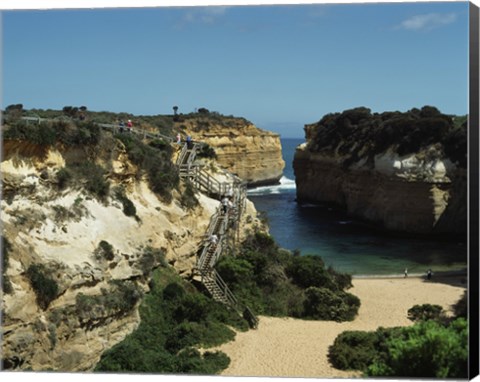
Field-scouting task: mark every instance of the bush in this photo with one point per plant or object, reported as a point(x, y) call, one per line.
point(188, 198)
point(95, 179)
point(105, 250)
point(45, 288)
point(428, 349)
point(324, 304)
point(309, 271)
point(353, 350)
point(425, 350)
point(129, 208)
point(174, 319)
point(425, 312)
point(156, 162)
point(207, 151)
point(63, 177)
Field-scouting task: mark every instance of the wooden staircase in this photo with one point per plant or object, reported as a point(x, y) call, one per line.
point(222, 224)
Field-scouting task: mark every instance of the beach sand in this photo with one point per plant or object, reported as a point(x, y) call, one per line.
point(286, 347)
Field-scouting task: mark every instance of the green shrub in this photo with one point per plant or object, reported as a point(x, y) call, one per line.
point(151, 258)
point(428, 349)
point(189, 199)
point(207, 151)
point(105, 250)
point(94, 177)
point(45, 288)
point(129, 208)
point(155, 162)
point(118, 300)
point(353, 350)
point(425, 312)
point(63, 177)
point(174, 319)
point(425, 350)
point(325, 304)
point(273, 281)
point(309, 271)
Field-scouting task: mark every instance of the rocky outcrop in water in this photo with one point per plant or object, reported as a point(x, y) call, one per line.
point(400, 171)
point(253, 154)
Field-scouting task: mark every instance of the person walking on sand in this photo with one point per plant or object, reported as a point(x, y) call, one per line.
point(406, 272)
point(429, 274)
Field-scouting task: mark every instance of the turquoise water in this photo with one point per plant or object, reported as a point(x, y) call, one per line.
point(343, 242)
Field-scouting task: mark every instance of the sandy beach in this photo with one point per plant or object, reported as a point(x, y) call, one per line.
point(286, 347)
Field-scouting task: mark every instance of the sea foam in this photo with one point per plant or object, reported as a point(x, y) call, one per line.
point(284, 186)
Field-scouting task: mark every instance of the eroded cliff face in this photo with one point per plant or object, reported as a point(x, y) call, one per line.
point(253, 154)
point(61, 231)
point(422, 192)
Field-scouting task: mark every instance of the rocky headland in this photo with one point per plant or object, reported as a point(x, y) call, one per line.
point(404, 172)
point(85, 222)
point(253, 154)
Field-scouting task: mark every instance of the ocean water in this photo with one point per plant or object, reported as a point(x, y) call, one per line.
point(342, 242)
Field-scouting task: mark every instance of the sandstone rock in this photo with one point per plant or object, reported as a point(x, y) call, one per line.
point(253, 154)
point(418, 192)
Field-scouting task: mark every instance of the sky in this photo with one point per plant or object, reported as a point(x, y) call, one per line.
point(280, 67)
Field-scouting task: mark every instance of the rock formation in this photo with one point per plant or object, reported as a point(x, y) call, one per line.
point(99, 258)
point(253, 154)
point(400, 171)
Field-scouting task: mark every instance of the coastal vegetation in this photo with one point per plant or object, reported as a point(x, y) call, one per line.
point(274, 282)
point(408, 132)
point(176, 320)
point(88, 170)
point(434, 347)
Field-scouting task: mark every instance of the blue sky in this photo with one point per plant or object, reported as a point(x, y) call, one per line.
point(278, 66)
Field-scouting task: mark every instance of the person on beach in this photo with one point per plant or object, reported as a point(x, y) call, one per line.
point(406, 272)
point(429, 274)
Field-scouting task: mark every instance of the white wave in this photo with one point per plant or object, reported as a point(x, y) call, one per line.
point(285, 185)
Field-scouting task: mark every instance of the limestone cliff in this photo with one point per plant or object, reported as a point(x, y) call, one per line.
point(63, 231)
point(253, 154)
point(402, 172)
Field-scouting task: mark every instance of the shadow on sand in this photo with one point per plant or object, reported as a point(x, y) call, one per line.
point(454, 278)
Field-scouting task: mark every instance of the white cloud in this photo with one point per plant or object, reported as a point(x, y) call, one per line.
point(428, 21)
point(206, 15)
